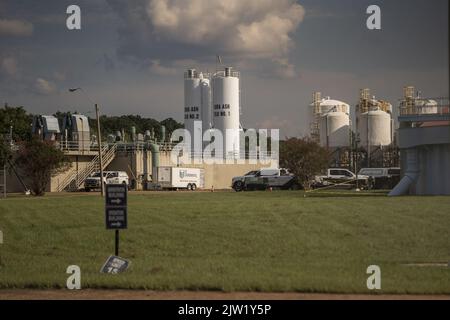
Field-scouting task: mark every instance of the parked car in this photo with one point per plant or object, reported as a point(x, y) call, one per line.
point(343, 177)
point(265, 179)
point(383, 178)
point(109, 177)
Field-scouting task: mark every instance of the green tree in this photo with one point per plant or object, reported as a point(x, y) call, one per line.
point(40, 160)
point(19, 119)
point(303, 157)
point(5, 152)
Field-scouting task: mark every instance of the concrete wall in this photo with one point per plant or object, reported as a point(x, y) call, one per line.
point(433, 149)
point(434, 170)
point(77, 163)
point(139, 163)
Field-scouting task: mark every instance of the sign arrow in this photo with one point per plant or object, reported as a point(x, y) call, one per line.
point(116, 201)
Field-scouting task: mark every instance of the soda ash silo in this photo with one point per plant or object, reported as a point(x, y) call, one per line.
point(197, 104)
point(226, 109)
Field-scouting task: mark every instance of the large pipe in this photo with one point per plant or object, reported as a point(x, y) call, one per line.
point(163, 134)
point(133, 134)
point(411, 174)
point(155, 161)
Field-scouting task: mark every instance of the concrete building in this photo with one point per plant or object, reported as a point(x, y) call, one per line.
point(424, 142)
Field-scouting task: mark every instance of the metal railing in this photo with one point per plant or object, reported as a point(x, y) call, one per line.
point(77, 146)
point(248, 155)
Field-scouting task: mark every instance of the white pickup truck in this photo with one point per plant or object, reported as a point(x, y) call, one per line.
point(335, 176)
point(109, 177)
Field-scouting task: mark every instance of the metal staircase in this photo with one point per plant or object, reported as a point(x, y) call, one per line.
point(75, 179)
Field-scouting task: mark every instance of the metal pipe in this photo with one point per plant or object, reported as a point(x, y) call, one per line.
point(155, 161)
point(411, 174)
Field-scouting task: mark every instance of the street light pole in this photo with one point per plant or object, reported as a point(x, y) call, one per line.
point(99, 140)
point(100, 156)
point(356, 161)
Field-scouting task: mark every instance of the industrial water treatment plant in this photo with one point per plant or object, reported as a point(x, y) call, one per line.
point(360, 136)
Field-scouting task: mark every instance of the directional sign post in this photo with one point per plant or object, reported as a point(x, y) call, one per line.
point(116, 210)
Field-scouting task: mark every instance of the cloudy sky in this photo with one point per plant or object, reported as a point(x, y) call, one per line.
point(130, 55)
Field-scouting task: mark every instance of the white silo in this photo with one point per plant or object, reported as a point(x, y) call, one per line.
point(330, 123)
point(226, 110)
point(335, 129)
point(197, 105)
point(375, 129)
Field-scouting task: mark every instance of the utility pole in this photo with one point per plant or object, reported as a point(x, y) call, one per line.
point(99, 140)
point(356, 159)
point(100, 156)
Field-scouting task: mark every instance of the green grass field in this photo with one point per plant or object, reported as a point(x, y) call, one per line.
point(262, 241)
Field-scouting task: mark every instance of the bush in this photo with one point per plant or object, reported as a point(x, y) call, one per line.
point(40, 160)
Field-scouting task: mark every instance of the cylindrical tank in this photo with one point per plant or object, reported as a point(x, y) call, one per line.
point(334, 129)
point(192, 101)
point(374, 128)
point(163, 134)
point(226, 110)
point(197, 106)
point(133, 134)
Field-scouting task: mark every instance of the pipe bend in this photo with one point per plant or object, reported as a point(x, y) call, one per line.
point(403, 186)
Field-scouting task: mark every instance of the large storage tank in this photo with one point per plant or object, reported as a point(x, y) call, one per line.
point(226, 110)
point(335, 129)
point(375, 129)
point(330, 121)
point(197, 105)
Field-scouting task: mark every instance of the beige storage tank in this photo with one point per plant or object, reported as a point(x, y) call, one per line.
point(375, 129)
point(334, 130)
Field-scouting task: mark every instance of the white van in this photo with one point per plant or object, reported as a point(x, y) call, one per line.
point(109, 177)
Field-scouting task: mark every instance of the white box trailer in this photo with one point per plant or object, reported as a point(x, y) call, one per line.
point(181, 178)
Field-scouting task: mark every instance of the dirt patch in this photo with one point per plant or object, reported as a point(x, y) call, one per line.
point(90, 294)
